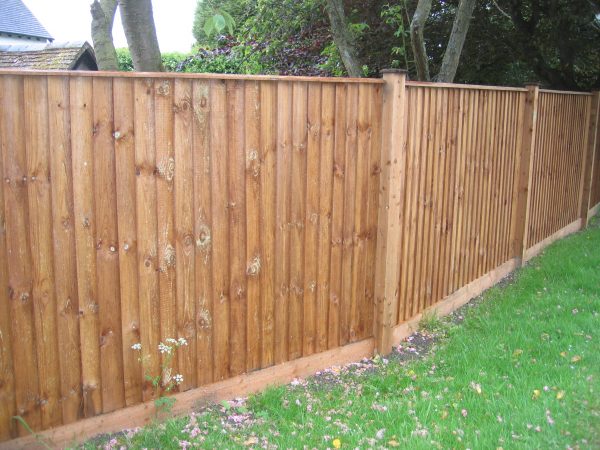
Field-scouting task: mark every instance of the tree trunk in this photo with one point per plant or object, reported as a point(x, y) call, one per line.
point(103, 15)
point(342, 36)
point(140, 31)
point(456, 41)
point(417, 25)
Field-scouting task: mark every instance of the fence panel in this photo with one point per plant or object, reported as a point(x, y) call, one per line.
point(562, 124)
point(595, 189)
point(462, 148)
point(135, 209)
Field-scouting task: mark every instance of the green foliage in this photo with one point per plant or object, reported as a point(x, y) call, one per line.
point(397, 16)
point(164, 405)
point(333, 61)
point(124, 60)
point(229, 57)
point(283, 37)
point(213, 17)
point(171, 61)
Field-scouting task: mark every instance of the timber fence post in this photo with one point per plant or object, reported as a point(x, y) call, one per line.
point(391, 202)
point(589, 157)
point(524, 172)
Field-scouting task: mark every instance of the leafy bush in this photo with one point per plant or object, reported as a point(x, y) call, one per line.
point(124, 60)
point(170, 61)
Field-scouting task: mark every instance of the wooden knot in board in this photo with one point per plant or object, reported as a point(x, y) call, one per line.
point(24, 297)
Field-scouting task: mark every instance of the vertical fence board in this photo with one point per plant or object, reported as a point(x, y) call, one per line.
point(8, 427)
point(337, 216)
point(147, 230)
point(297, 217)
point(202, 156)
point(312, 219)
point(282, 223)
point(448, 193)
point(410, 216)
point(81, 102)
point(436, 203)
point(184, 193)
point(167, 254)
point(125, 178)
point(349, 207)
point(268, 224)
point(253, 173)
point(40, 237)
point(237, 226)
point(220, 229)
point(373, 171)
point(107, 259)
point(65, 267)
point(360, 235)
point(325, 211)
point(20, 282)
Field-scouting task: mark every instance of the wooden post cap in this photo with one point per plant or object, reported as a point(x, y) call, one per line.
point(394, 72)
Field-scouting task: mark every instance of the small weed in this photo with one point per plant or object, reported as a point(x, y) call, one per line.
point(38, 437)
point(432, 323)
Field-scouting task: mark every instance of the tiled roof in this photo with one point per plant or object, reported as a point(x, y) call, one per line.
point(44, 57)
point(15, 18)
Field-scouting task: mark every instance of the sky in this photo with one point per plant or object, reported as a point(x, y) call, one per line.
point(70, 20)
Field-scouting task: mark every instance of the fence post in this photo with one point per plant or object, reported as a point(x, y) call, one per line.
point(525, 170)
point(589, 158)
point(391, 199)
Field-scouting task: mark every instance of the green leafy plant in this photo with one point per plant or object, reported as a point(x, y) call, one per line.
point(165, 381)
point(397, 17)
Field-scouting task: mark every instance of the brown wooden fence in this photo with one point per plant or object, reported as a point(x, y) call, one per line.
point(264, 219)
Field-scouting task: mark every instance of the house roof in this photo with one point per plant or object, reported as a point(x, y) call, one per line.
point(15, 18)
point(55, 56)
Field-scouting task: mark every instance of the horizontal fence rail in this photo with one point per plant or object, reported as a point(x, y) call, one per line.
point(266, 220)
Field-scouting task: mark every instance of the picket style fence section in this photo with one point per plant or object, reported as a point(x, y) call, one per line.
point(279, 224)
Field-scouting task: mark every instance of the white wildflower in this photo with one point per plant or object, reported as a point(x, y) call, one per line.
point(178, 379)
point(171, 341)
point(137, 346)
point(182, 341)
point(164, 348)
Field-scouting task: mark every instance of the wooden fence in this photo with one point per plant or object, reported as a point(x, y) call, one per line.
point(264, 219)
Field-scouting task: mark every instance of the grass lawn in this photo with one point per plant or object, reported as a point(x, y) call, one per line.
point(517, 368)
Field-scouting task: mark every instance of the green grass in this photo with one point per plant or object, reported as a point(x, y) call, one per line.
point(521, 371)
